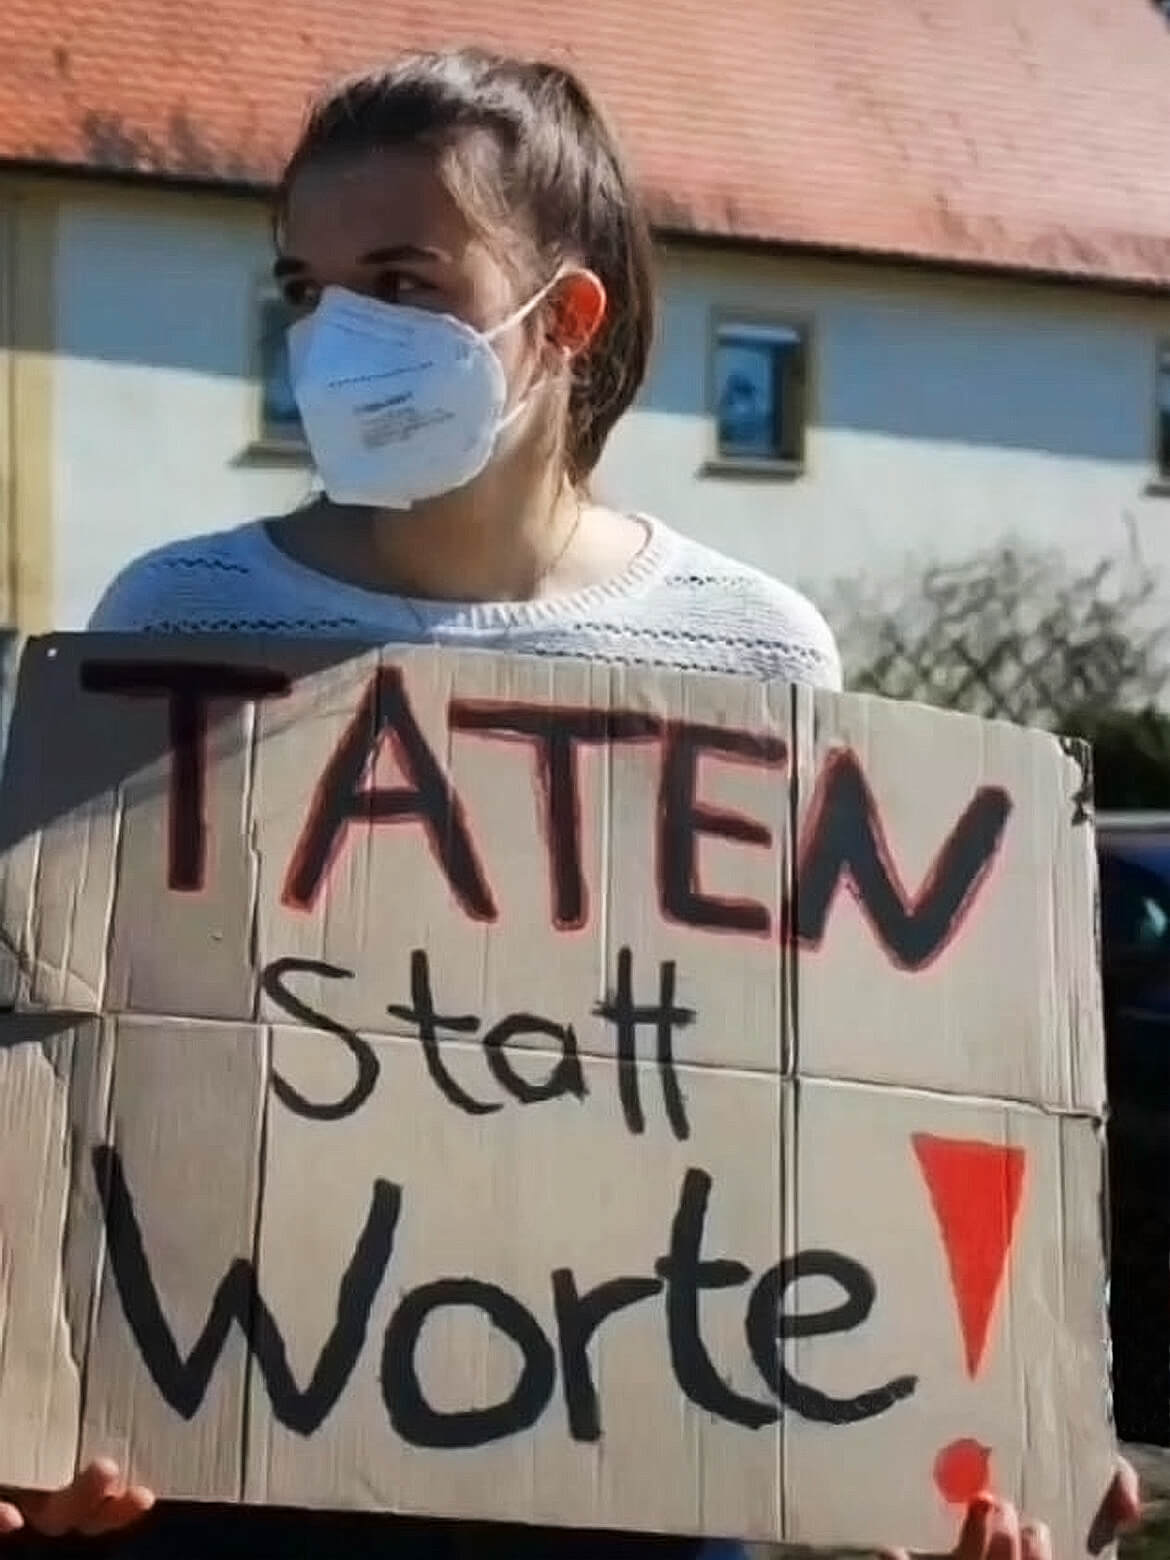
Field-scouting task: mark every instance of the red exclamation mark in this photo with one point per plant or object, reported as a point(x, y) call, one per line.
point(975, 1189)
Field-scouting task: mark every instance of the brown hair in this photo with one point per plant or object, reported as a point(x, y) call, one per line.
point(529, 154)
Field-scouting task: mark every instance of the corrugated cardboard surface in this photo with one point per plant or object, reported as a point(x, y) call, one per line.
point(732, 1167)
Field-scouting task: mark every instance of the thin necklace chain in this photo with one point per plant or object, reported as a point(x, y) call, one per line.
point(550, 568)
point(562, 551)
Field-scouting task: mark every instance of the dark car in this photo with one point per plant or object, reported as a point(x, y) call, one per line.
point(1134, 855)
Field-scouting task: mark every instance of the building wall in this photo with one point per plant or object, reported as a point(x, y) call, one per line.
point(27, 378)
point(945, 413)
point(156, 406)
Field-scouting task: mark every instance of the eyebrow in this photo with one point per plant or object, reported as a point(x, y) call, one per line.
point(402, 252)
point(289, 265)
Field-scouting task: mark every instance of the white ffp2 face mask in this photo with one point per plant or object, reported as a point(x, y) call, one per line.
point(398, 404)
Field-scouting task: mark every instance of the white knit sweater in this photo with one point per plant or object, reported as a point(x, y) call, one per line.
point(678, 605)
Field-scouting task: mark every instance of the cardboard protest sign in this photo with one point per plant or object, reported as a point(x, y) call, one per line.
point(470, 1085)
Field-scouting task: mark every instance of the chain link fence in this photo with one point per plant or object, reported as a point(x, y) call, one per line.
point(1009, 635)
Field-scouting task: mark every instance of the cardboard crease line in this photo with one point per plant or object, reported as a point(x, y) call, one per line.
point(248, 835)
point(112, 895)
point(265, 1104)
point(109, 1043)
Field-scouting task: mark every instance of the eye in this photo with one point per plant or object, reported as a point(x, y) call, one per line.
point(300, 294)
point(398, 286)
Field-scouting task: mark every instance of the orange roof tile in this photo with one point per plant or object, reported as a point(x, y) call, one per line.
point(1012, 133)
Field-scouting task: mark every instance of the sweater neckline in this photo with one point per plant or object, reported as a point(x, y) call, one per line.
point(411, 613)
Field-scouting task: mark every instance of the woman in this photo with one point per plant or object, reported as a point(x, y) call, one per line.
point(473, 283)
point(472, 279)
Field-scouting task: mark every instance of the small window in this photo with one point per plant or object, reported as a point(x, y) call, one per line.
point(1162, 432)
point(759, 400)
point(280, 421)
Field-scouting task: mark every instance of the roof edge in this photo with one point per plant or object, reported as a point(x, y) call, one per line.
point(669, 226)
point(1137, 285)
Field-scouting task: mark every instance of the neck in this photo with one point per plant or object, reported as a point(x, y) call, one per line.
point(484, 543)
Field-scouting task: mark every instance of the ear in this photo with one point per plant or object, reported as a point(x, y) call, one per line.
point(576, 312)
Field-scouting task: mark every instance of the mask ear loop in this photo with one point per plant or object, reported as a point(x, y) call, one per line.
point(510, 323)
point(526, 309)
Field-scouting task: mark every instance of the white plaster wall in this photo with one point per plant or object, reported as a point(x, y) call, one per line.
point(155, 405)
point(946, 412)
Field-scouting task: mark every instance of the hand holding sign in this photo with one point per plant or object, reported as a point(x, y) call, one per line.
point(1121, 1510)
point(97, 1501)
point(993, 1530)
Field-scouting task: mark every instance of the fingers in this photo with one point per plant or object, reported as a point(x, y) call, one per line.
point(1123, 1503)
point(63, 1511)
point(992, 1530)
point(1005, 1541)
point(1035, 1542)
point(119, 1511)
point(975, 1534)
point(1121, 1509)
point(11, 1520)
point(97, 1501)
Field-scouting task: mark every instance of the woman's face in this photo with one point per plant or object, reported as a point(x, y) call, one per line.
point(384, 224)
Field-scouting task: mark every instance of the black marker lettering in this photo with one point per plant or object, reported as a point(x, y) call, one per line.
point(578, 1318)
point(620, 1010)
point(272, 980)
point(183, 1382)
point(767, 1324)
point(422, 1015)
point(414, 1419)
point(686, 1275)
point(683, 819)
point(189, 686)
point(427, 798)
point(565, 1078)
point(843, 841)
point(668, 1017)
point(555, 735)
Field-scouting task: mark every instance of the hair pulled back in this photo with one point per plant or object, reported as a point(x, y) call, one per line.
point(532, 163)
